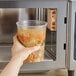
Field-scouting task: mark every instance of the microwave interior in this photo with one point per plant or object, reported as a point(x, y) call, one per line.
point(8, 27)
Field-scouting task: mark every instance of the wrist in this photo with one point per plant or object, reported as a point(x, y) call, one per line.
point(16, 61)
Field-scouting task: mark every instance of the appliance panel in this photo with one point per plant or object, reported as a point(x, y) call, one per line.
point(75, 38)
point(8, 19)
point(59, 57)
point(71, 55)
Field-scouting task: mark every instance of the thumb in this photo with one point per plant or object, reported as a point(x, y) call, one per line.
point(28, 51)
point(33, 49)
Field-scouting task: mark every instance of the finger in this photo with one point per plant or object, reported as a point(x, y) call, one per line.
point(28, 51)
point(33, 49)
point(23, 54)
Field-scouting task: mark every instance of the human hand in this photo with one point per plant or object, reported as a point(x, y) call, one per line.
point(19, 52)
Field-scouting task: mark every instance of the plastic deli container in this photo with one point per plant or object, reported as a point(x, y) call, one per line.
point(32, 33)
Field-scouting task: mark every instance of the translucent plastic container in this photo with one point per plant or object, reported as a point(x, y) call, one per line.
point(31, 33)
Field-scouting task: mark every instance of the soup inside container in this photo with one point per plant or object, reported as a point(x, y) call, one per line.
point(32, 33)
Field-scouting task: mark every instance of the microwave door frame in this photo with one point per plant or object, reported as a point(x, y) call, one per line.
point(71, 36)
point(61, 31)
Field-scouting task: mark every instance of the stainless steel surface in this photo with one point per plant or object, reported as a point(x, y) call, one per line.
point(8, 19)
point(28, 3)
point(32, 14)
point(71, 31)
point(47, 64)
point(58, 72)
point(5, 52)
point(41, 14)
point(62, 72)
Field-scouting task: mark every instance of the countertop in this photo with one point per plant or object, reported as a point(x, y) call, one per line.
point(62, 72)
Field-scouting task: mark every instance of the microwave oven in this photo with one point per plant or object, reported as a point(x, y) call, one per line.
point(55, 39)
point(60, 34)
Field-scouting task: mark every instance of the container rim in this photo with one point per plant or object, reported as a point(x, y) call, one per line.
point(28, 23)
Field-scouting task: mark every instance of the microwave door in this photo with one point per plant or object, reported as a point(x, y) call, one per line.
point(55, 36)
point(72, 36)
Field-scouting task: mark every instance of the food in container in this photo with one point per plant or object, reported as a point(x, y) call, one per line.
point(32, 33)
